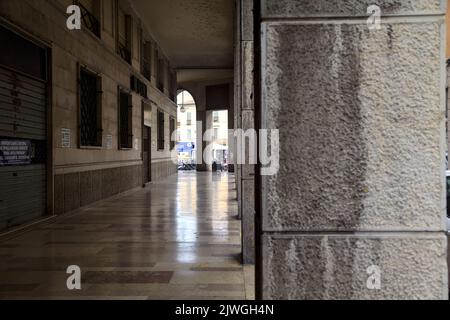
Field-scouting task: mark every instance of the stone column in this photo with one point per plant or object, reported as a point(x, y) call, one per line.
point(237, 99)
point(247, 122)
point(357, 208)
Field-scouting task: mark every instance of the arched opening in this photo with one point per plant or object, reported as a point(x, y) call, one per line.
point(186, 130)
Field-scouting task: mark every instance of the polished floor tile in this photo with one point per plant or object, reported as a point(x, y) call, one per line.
point(176, 239)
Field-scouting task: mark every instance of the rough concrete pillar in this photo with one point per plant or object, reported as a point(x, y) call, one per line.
point(448, 104)
point(247, 122)
point(237, 99)
point(357, 209)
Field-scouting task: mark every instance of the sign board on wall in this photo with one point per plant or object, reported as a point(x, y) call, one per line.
point(15, 152)
point(65, 138)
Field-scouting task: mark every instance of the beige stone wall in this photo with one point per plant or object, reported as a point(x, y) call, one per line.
point(78, 189)
point(158, 102)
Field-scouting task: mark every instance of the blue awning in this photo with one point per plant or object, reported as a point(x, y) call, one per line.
point(185, 146)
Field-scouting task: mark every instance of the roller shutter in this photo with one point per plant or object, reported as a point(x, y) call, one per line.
point(23, 145)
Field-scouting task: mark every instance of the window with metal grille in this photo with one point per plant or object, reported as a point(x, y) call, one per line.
point(125, 120)
point(173, 86)
point(172, 130)
point(146, 59)
point(90, 109)
point(89, 15)
point(124, 39)
point(161, 74)
point(160, 130)
point(215, 116)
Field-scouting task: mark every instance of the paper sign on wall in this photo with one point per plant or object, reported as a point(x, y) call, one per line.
point(109, 141)
point(65, 138)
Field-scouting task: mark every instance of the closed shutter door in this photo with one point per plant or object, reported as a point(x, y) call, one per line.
point(23, 134)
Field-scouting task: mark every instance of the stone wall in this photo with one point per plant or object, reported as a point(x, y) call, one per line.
point(163, 169)
point(448, 105)
point(362, 141)
point(79, 189)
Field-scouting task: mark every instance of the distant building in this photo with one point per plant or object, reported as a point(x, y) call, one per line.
point(219, 126)
point(186, 127)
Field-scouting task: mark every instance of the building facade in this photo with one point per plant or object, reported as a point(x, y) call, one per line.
point(100, 109)
point(219, 136)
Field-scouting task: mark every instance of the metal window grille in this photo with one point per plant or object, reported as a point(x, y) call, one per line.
point(146, 58)
point(161, 141)
point(88, 18)
point(89, 129)
point(124, 53)
point(124, 36)
point(160, 74)
point(125, 114)
point(172, 129)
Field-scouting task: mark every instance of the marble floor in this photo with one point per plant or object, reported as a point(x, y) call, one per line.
point(176, 239)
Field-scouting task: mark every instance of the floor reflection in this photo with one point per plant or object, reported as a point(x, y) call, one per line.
point(176, 239)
